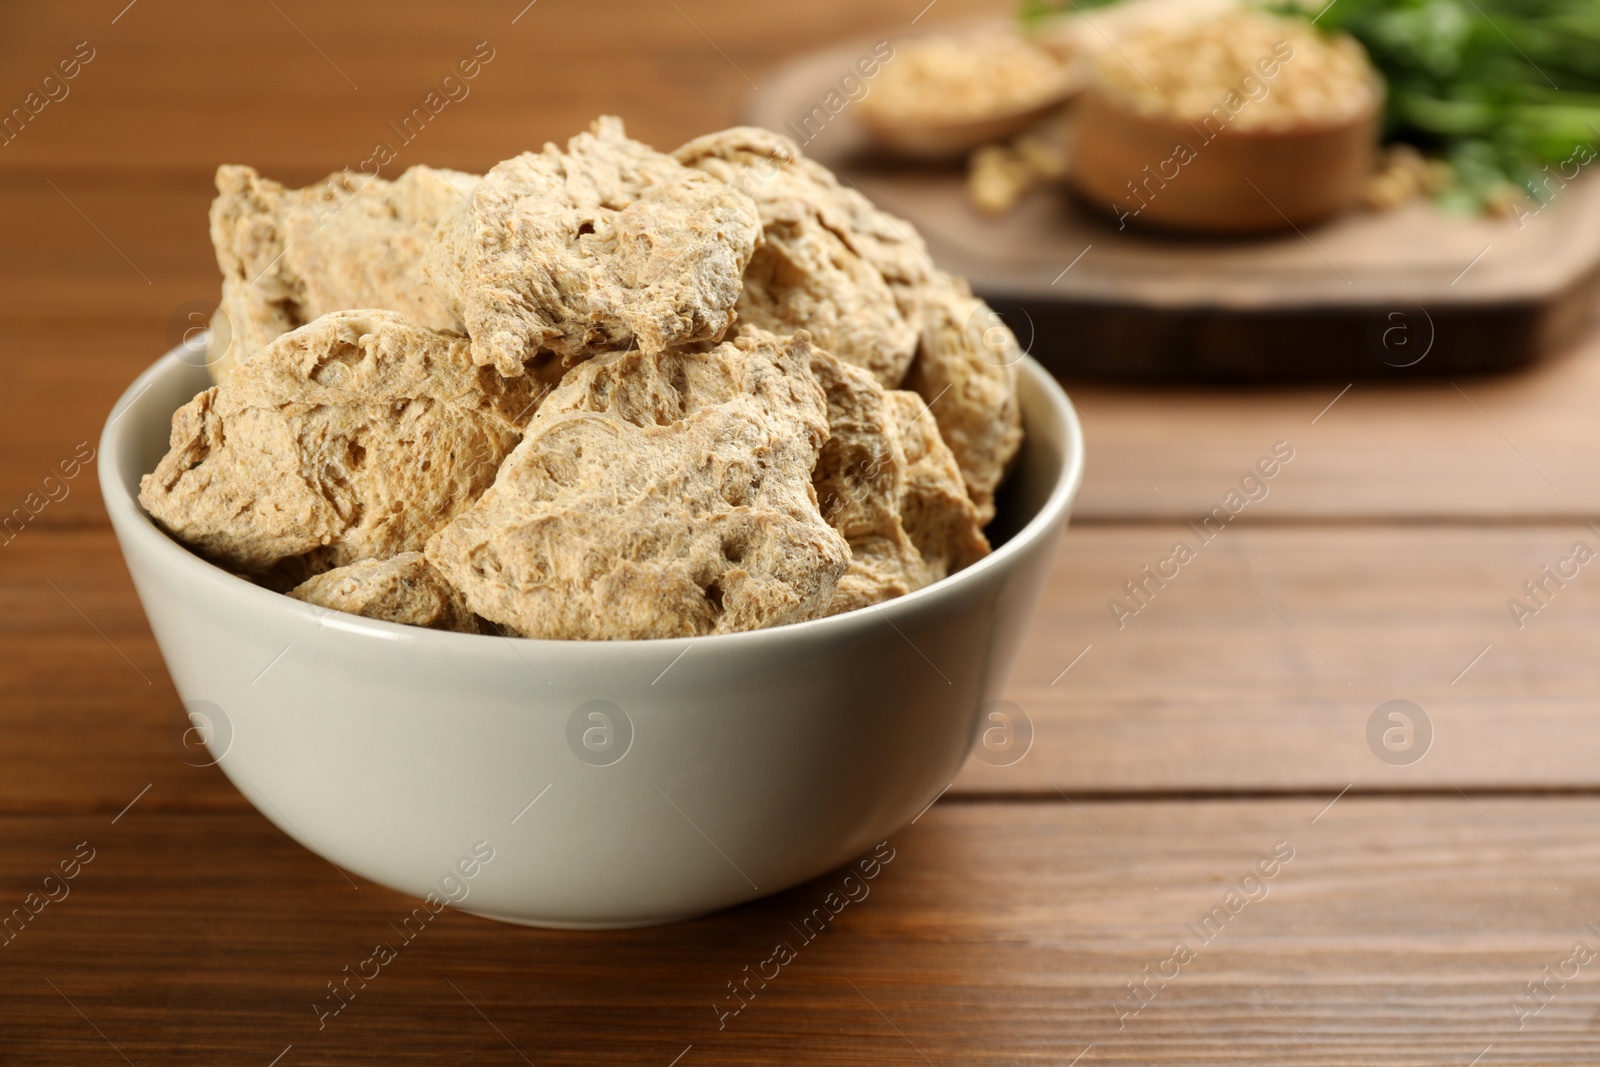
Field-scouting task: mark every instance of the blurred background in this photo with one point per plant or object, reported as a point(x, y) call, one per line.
point(105, 192)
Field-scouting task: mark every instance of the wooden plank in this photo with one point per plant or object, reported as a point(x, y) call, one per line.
point(1208, 688)
point(1492, 448)
point(1261, 663)
point(86, 707)
point(312, 86)
point(1400, 932)
point(55, 396)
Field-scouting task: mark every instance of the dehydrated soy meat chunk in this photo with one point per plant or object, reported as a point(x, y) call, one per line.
point(658, 494)
point(354, 437)
point(860, 280)
point(888, 484)
point(601, 246)
point(808, 273)
point(966, 371)
point(350, 241)
point(404, 589)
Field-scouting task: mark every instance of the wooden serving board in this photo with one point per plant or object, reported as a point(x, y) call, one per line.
point(1413, 291)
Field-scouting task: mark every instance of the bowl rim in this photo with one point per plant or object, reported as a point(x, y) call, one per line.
point(136, 530)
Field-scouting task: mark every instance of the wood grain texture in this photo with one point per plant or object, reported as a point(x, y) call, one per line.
point(87, 710)
point(1011, 918)
point(1499, 449)
point(1398, 933)
point(1208, 688)
point(303, 86)
point(1260, 663)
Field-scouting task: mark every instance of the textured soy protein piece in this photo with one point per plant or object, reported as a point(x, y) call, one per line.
point(658, 494)
point(353, 437)
point(888, 484)
point(382, 347)
point(350, 241)
point(861, 281)
point(807, 274)
point(966, 371)
point(597, 247)
point(404, 589)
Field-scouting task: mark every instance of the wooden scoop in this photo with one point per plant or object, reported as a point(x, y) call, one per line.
point(945, 94)
point(935, 139)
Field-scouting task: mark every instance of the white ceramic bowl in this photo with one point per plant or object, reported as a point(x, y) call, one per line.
point(719, 769)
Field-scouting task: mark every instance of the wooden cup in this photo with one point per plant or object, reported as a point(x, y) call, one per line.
point(1211, 177)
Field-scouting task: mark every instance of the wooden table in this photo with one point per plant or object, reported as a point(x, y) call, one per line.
point(1223, 727)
